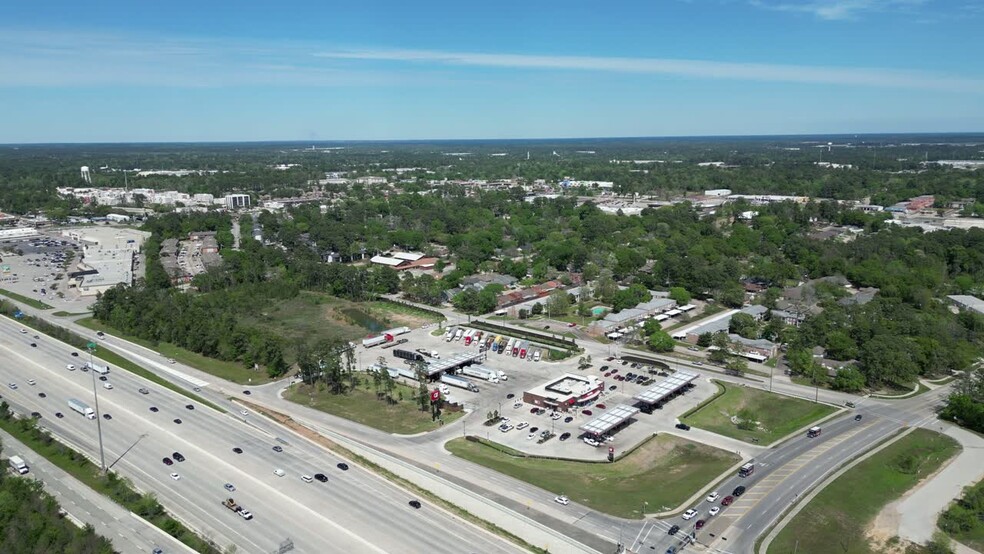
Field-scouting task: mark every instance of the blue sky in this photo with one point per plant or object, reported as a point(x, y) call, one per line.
point(189, 71)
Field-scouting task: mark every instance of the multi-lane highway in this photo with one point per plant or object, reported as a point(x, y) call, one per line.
point(355, 511)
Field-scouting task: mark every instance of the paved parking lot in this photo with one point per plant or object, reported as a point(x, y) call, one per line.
point(35, 269)
point(506, 398)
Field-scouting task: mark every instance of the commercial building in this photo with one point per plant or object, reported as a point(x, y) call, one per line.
point(565, 392)
point(966, 302)
point(237, 201)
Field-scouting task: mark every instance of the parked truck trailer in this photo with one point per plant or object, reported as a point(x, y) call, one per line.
point(479, 372)
point(459, 382)
point(408, 355)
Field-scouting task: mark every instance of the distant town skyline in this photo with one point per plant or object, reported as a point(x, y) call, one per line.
point(119, 72)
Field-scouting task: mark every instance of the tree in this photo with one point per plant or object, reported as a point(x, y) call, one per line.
point(680, 294)
point(558, 303)
point(736, 365)
point(732, 295)
point(704, 340)
point(537, 308)
point(743, 324)
point(660, 341)
point(849, 379)
point(747, 419)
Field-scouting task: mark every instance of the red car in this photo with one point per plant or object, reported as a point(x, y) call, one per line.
point(533, 410)
point(615, 370)
point(727, 500)
point(600, 406)
point(572, 324)
point(700, 523)
point(586, 412)
point(167, 461)
point(608, 374)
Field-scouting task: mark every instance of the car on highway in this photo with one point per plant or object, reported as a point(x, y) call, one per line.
point(415, 504)
point(42, 395)
point(564, 436)
point(103, 378)
point(13, 386)
point(108, 386)
point(739, 490)
point(307, 478)
point(178, 457)
point(59, 415)
point(107, 417)
point(279, 472)
point(690, 514)
point(247, 393)
point(142, 390)
point(70, 367)
point(23, 331)
point(237, 450)
point(243, 413)
point(32, 382)
point(175, 476)
point(75, 354)
point(572, 324)
point(154, 409)
point(857, 417)
point(36, 415)
point(342, 466)
point(727, 500)
point(177, 420)
point(700, 523)
point(713, 496)
point(158, 550)
point(277, 448)
point(190, 406)
point(321, 477)
point(167, 461)
point(562, 500)
point(713, 511)
point(673, 530)
point(230, 487)
point(34, 345)
point(682, 426)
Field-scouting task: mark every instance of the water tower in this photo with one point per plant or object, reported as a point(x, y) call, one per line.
point(86, 176)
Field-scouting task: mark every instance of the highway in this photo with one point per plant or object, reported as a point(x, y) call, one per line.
point(355, 511)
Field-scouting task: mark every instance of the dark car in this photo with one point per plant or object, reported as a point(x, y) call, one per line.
point(673, 530)
point(415, 504)
point(613, 387)
point(42, 395)
point(190, 406)
point(625, 362)
point(700, 523)
point(586, 412)
point(534, 429)
point(103, 378)
point(237, 450)
point(727, 500)
point(167, 461)
point(154, 409)
point(76, 354)
point(277, 448)
point(857, 417)
point(59, 415)
point(321, 477)
point(608, 375)
point(107, 416)
point(630, 375)
point(533, 410)
point(682, 426)
point(739, 490)
point(36, 415)
point(247, 393)
point(603, 368)
point(510, 395)
point(178, 421)
point(615, 370)
point(568, 419)
point(34, 344)
point(178, 457)
point(565, 436)
point(342, 466)
point(600, 406)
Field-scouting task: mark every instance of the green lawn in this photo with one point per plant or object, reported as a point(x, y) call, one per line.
point(360, 405)
point(835, 520)
point(29, 301)
point(664, 472)
point(63, 313)
point(230, 371)
point(777, 415)
point(400, 314)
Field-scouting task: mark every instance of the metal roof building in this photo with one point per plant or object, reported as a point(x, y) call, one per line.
point(660, 391)
point(615, 417)
point(437, 367)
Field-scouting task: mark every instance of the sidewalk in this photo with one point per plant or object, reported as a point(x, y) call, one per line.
point(128, 532)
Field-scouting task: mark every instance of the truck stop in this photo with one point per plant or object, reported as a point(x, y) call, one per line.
point(611, 420)
point(437, 367)
point(665, 389)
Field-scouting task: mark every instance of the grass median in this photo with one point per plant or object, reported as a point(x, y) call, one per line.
point(402, 416)
point(110, 485)
point(230, 371)
point(840, 517)
point(658, 476)
point(771, 416)
point(29, 301)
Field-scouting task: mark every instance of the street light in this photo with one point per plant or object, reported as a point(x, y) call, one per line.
point(91, 347)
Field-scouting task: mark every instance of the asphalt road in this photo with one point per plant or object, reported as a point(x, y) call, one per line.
point(354, 512)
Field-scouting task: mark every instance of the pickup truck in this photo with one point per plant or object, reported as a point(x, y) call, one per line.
point(243, 512)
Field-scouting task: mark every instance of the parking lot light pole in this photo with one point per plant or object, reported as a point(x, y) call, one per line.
point(91, 347)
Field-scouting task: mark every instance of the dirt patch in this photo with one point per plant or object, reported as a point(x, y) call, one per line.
point(882, 532)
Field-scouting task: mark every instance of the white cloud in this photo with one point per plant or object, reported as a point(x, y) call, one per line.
point(867, 77)
point(840, 9)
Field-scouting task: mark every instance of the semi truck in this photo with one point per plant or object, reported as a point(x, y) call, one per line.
point(100, 369)
point(458, 334)
point(459, 382)
point(408, 355)
point(82, 408)
point(468, 336)
point(373, 341)
point(515, 348)
point(18, 464)
point(450, 336)
point(508, 348)
point(243, 512)
point(429, 353)
point(480, 372)
point(523, 349)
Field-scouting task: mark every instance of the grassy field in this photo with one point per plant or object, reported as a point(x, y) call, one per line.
point(664, 472)
point(230, 371)
point(399, 314)
point(835, 521)
point(360, 405)
point(29, 301)
point(63, 313)
point(777, 415)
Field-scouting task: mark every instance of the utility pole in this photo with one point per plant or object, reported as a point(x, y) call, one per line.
point(91, 347)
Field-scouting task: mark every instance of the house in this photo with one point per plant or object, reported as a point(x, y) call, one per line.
point(490, 279)
point(789, 318)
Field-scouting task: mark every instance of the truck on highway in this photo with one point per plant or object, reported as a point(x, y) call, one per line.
point(100, 369)
point(82, 408)
point(459, 382)
point(480, 372)
point(243, 512)
point(18, 464)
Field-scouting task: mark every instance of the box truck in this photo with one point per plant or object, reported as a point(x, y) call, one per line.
point(82, 408)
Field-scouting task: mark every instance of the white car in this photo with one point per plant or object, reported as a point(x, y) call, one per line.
point(690, 514)
point(555, 416)
point(713, 496)
point(108, 386)
point(563, 500)
point(13, 386)
point(23, 331)
point(307, 478)
point(230, 487)
point(175, 476)
point(590, 441)
point(70, 367)
point(279, 472)
point(171, 360)
point(244, 413)
point(713, 511)
point(505, 428)
point(518, 405)
point(522, 425)
point(531, 436)
point(32, 382)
